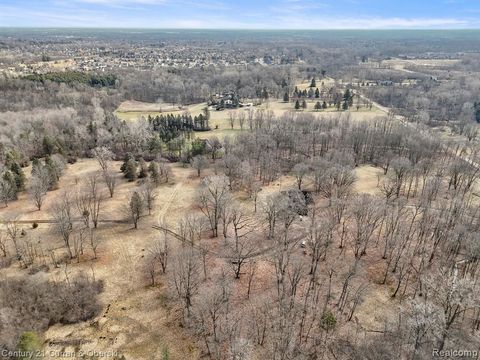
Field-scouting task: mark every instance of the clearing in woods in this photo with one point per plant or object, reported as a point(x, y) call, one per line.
point(219, 120)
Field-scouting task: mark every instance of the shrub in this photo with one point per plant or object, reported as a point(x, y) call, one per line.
point(29, 343)
point(34, 303)
point(328, 320)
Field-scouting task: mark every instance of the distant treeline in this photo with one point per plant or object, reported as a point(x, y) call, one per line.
point(70, 77)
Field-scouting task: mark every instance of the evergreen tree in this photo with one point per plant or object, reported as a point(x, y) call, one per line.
point(348, 97)
point(313, 83)
point(131, 170)
point(476, 107)
point(17, 171)
point(297, 105)
point(286, 98)
point(155, 174)
point(126, 158)
point(48, 145)
point(53, 175)
point(324, 105)
point(206, 113)
point(304, 104)
point(318, 106)
point(317, 93)
point(9, 184)
point(12, 164)
point(143, 173)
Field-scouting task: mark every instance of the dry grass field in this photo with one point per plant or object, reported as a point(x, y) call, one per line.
point(219, 123)
point(137, 319)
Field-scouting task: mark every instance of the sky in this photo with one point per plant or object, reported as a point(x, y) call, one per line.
point(243, 14)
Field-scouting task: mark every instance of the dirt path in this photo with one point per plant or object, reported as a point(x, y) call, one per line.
point(163, 211)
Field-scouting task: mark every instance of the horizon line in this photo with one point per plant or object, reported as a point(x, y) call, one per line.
point(237, 29)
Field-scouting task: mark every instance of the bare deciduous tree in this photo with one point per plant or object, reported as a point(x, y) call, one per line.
point(149, 195)
point(185, 276)
point(199, 163)
point(63, 215)
point(212, 198)
point(37, 189)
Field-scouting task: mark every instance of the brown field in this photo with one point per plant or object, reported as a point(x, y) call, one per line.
point(138, 320)
point(400, 64)
point(138, 323)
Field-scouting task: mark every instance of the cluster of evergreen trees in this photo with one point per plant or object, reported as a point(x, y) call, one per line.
point(133, 169)
point(342, 102)
point(310, 93)
point(71, 77)
point(12, 178)
point(172, 126)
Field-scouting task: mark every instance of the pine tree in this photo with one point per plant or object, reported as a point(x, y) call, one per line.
point(297, 105)
point(286, 98)
point(10, 183)
point(131, 170)
point(476, 107)
point(127, 157)
point(155, 174)
point(313, 83)
point(12, 164)
point(324, 105)
point(318, 106)
point(304, 104)
point(295, 92)
point(317, 93)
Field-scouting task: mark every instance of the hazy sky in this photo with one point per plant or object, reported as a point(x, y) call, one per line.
point(254, 14)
